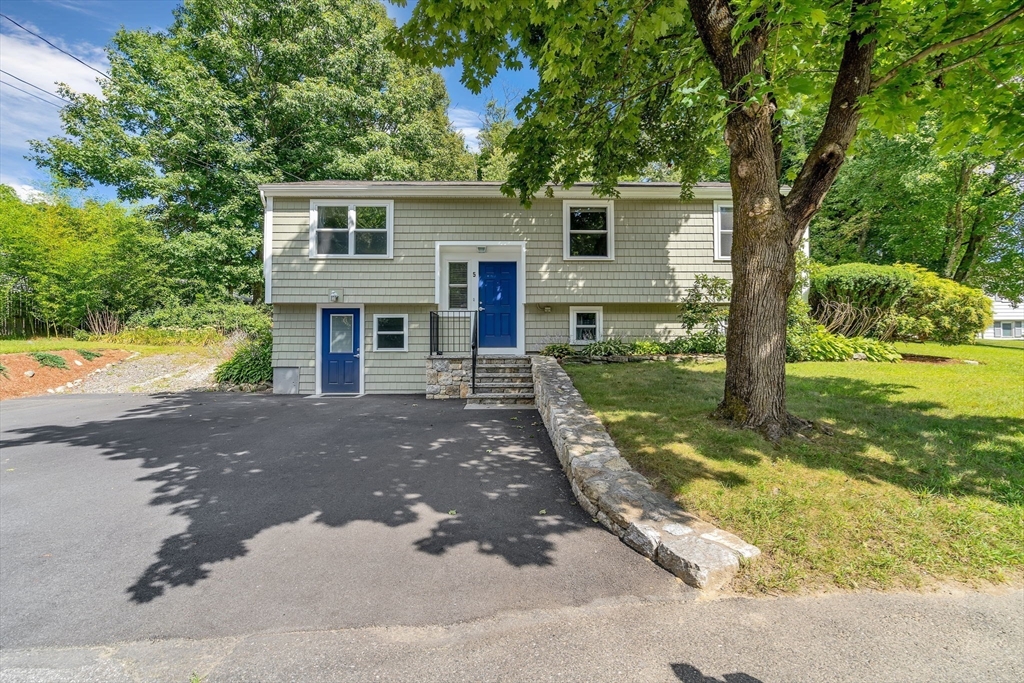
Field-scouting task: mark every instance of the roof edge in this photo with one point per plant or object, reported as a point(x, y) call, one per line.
point(389, 189)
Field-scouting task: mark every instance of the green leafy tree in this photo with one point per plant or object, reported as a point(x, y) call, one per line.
point(65, 261)
point(240, 92)
point(494, 160)
point(959, 213)
point(625, 84)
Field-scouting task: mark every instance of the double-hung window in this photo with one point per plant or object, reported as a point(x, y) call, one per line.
point(340, 229)
point(588, 230)
point(390, 332)
point(585, 324)
point(723, 231)
point(458, 285)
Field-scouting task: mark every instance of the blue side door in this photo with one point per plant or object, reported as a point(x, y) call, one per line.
point(339, 348)
point(497, 303)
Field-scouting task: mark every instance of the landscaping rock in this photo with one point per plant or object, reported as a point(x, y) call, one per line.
point(860, 356)
point(698, 561)
point(971, 362)
point(30, 373)
point(623, 501)
point(79, 363)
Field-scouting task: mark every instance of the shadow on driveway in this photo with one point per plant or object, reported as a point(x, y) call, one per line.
point(233, 466)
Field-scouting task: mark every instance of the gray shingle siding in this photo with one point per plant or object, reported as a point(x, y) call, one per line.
point(659, 246)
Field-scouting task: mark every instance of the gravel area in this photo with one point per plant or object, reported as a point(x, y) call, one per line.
point(154, 374)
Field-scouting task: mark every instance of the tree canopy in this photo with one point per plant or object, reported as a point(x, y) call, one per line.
point(58, 262)
point(960, 213)
point(240, 92)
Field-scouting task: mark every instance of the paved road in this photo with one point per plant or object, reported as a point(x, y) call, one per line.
point(272, 538)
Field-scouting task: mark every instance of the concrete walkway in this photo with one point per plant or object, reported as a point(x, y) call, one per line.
point(271, 538)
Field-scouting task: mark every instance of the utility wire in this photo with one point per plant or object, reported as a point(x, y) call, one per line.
point(101, 73)
point(11, 85)
point(32, 85)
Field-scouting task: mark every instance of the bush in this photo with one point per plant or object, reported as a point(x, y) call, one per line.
point(558, 350)
point(818, 344)
point(81, 335)
point(3, 371)
point(224, 316)
point(701, 342)
point(956, 313)
point(88, 355)
point(647, 347)
point(251, 362)
point(862, 285)
point(903, 302)
point(607, 347)
point(154, 337)
point(49, 360)
point(705, 305)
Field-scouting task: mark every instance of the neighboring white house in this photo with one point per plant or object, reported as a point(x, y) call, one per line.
point(1008, 320)
point(368, 280)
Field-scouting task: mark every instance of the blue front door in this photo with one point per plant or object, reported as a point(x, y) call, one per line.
point(497, 304)
point(339, 349)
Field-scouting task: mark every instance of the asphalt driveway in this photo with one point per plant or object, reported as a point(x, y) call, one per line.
point(128, 517)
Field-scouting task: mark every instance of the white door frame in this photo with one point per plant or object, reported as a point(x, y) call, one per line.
point(469, 251)
point(362, 343)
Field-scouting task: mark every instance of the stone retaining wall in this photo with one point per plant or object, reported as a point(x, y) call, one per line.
point(621, 499)
point(448, 377)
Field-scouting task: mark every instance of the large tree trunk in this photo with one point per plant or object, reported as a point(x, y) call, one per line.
point(763, 268)
point(768, 229)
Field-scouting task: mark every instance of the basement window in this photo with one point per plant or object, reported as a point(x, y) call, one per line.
point(390, 332)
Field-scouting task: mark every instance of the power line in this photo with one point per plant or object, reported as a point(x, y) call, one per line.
point(32, 85)
point(10, 85)
point(101, 73)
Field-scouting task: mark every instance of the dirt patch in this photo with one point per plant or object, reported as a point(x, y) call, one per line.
point(935, 360)
point(18, 383)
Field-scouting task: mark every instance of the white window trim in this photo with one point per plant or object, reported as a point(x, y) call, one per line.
point(573, 310)
point(718, 228)
point(405, 331)
point(471, 267)
point(314, 206)
point(566, 207)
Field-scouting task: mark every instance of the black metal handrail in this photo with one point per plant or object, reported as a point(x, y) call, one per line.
point(452, 332)
point(475, 342)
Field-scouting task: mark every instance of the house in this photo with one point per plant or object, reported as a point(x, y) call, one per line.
point(377, 287)
point(1007, 320)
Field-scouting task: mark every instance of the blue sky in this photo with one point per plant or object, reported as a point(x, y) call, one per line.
point(83, 28)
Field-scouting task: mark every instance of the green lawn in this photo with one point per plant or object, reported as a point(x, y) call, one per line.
point(922, 482)
point(64, 343)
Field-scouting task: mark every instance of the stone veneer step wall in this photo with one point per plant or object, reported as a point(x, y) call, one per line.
point(621, 499)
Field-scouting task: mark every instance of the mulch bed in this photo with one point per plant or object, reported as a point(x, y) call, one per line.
point(16, 383)
point(936, 360)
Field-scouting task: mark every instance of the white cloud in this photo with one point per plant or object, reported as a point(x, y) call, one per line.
point(23, 117)
point(26, 193)
point(467, 122)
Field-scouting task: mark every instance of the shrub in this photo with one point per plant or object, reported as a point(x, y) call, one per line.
point(701, 342)
point(875, 350)
point(223, 316)
point(81, 335)
point(862, 285)
point(251, 362)
point(818, 344)
point(705, 305)
point(558, 350)
point(3, 371)
point(89, 355)
point(607, 347)
point(957, 313)
point(155, 337)
point(647, 347)
point(49, 360)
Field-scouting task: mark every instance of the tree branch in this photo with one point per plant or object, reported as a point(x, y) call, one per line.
point(945, 47)
point(829, 151)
